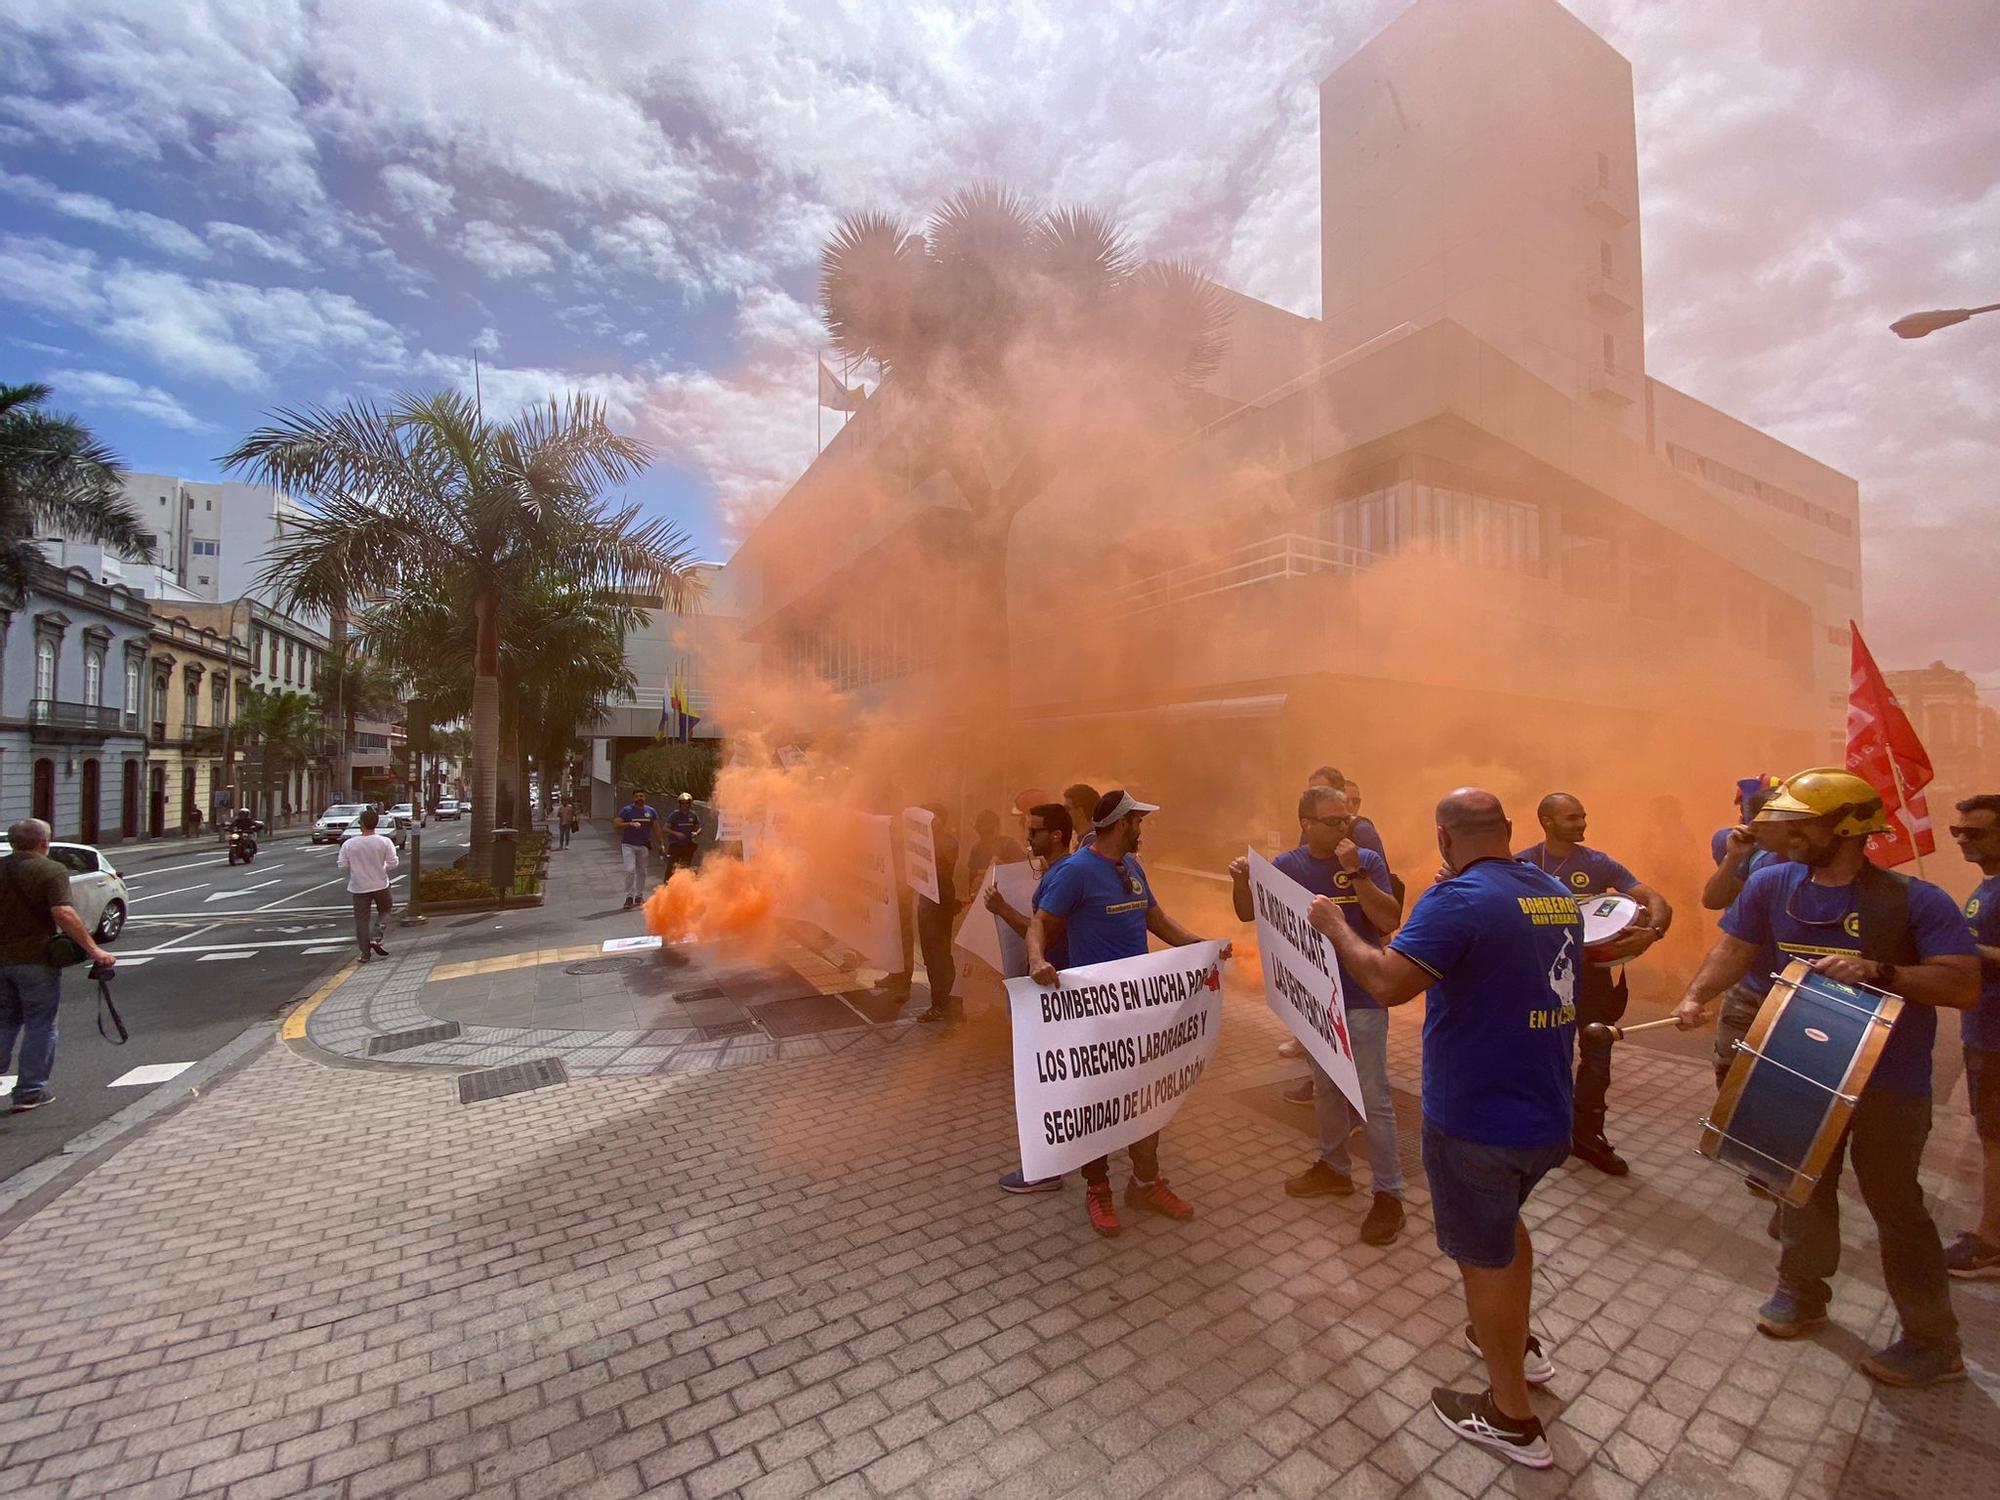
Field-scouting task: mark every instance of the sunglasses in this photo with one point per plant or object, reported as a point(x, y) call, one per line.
point(1330, 822)
point(1961, 831)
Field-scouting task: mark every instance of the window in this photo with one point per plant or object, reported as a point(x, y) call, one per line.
point(1610, 355)
point(131, 689)
point(288, 661)
point(93, 677)
point(45, 668)
point(160, 704)
point(202, 579)
point(219, 711)
point(190, 699)
point(206, 548)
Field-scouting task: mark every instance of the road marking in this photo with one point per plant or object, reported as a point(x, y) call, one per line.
point(293, 1028)
point(281, 900)
point(240, 950)
point(327, 948)
point(126, 960)
point(533, 958)
point(218, 956)
point(178, 891)
point(241, 890)
point(200, 864)
point(149, 1074)
point(220, 918)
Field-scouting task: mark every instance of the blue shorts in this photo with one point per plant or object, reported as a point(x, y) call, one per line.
point(1982, 1091)
point(1477, 1191)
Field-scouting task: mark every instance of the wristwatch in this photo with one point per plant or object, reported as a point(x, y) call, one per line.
point(1885, 974)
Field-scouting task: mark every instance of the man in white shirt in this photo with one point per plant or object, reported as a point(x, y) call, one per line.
point(368, 858)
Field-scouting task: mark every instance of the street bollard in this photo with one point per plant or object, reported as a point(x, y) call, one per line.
point(413, 909)
point(504, 854)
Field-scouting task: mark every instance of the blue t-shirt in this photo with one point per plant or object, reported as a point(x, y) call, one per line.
point(1104, 903)
point(1785, 915)
point(1363, 833)
point(1980, 1027)
point(1056, 950)
point(1324, 877)
point(1584, 871)
point(641, 836)
point(1503, 941)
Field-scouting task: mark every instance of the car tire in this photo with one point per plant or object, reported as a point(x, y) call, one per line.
point(111, 922)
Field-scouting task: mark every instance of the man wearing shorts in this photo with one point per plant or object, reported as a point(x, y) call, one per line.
point(1498, 944)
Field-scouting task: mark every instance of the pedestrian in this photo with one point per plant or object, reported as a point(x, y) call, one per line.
point(1329, 863)
point(1739, 853)
point(565, 820)
point(1049, 835)
point(934, 921)
point(1602, 994)
point(1856, 922)
point(1364, 832)
point(1102, 896)
point(1081, 799)
point(636, 824)
point(1975, 1254)
point(35, 906)
point(683, 827)
point(368, 858)
point(1497, 943)
point(989, 847)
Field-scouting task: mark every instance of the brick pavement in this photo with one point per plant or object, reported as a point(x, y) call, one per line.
point(796, 1278)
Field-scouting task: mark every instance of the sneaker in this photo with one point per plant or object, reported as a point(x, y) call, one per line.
point(1596, 1150)
point(1016, 1182)
point(1300, 1092)
point(376, 948)
point(937, 1013)
point(23, 1100)
point(1909, 1363)
point(1157, 1198)
point(1537, 1368)
point(629, 904)
point(365, 957)
point(1102, 1208)
point(1478, 1420)
point(1786, 1317)
point(1291, 1047)
point(1319, 1181)
point(1972, 1259)
point(1384, 1221)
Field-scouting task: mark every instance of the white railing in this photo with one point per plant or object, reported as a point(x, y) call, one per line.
point(1290, 554)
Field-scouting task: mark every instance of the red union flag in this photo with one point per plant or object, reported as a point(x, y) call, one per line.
point(1884, 751)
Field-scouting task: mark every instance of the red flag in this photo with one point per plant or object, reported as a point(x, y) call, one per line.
point(1882, 749)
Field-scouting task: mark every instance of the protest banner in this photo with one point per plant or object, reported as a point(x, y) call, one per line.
point(858, 903)
point(919, 853)
point(1106, 1055)
point(984, 935)
point(1301, 978)
point(728, 827)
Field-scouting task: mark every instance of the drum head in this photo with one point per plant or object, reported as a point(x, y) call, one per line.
point(1605, 917)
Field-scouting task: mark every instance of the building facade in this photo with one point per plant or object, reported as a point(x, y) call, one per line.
point(276, 654)
point(73, 664)
point(189, 701)
point(210, 540)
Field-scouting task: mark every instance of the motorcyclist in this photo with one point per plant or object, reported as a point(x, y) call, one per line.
point(245, 825)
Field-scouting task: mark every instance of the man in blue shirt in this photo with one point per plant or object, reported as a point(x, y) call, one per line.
point(1327, 863)
point(1740, 852)
point(1106, 905)
point(1499, 945)
point(1975, 1254)
point(683, 827)
point(637, 824)
point(1857, 923)
point(1601, 992)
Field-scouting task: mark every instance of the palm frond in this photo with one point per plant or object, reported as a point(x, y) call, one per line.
point(868, 275)
point(1173, 321)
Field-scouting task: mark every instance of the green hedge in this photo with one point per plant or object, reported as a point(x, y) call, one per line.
point(668, 770)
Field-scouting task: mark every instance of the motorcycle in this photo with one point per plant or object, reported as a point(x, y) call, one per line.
point(243, 843)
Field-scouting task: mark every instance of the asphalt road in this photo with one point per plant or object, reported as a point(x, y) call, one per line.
point(209, 950)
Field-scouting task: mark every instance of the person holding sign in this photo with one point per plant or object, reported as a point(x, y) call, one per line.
point(1327, 863)
point(1049, 833)
point(1106, 909)
point(934, 920)
point(1498, 944)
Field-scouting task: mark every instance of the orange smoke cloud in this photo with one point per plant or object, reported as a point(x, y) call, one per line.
point(729, 901)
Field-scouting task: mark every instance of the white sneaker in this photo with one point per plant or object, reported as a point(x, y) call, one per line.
point(1536, 1369)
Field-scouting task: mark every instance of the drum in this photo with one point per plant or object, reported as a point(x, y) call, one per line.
point(1606, 917)
point(1796, 1074)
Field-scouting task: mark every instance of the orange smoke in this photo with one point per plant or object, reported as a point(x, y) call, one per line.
point(729, 901)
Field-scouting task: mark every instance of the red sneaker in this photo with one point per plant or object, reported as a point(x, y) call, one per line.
point(1156, 1197)
point(1103, 1212)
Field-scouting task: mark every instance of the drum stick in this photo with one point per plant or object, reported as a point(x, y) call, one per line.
point(1598, 1031)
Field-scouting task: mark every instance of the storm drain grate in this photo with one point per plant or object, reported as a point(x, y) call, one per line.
point(515, 1078)
point(607, 965)
point(396, 1041)
point(728, 1028)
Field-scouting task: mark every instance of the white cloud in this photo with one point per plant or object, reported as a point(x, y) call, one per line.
point(501, 254)
point(242, 239)
point(159, 233)
point(116, 392)
point(423, 198)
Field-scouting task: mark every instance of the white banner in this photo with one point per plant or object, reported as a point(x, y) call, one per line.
point(859, 907)
point(984, 935)
point(728, 827)
point(1301, 978)
point(919, 853)
point(1106, 1056)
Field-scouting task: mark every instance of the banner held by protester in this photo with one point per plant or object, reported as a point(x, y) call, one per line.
point(920, 853)
point(984, 935)
point(1301, 979)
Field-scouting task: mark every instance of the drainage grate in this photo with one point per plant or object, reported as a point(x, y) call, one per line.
point(728, 1028)
point(396, 1041)
point(515, 1078)
point(806, 1015)
point(608, 965)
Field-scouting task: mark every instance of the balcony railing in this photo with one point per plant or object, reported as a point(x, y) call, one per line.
point(1287, 555)
point(91, 718)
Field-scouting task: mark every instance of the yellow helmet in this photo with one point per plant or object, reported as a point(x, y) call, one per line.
point(1828, 792)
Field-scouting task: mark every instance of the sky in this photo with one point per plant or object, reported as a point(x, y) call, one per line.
point(212, 208)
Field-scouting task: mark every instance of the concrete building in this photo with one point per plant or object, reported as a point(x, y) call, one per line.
point(73, 656)
point(1962, 733)
point(275, 654)
point(1454, 520)
point(189, 700)
point(210, 540)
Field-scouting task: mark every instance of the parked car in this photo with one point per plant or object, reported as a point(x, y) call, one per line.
point(334, 822)
point(404, 813)
point(395, 832)
point(96, 890)
point(448, 808)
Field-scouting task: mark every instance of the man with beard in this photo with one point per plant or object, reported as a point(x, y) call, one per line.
point(1860, 924)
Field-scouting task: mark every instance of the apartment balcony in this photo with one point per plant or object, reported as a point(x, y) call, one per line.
point(1611, 292)
point(59, 719)
point(1613, 205)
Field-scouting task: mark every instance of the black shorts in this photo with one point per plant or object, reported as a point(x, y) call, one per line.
point(1982, 1091)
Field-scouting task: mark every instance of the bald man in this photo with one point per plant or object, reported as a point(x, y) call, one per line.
point(1497, 943)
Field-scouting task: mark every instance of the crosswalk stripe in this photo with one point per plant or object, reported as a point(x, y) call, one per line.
point(148, 1074)
point(216, 958)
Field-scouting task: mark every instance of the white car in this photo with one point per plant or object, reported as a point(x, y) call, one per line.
point(404, 813)
point(96, 890)
point(334, 822)
point(448, 808)
point(396, 833)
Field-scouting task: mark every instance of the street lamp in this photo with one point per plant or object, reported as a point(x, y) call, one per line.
point(229, 699)
point(1916, 325)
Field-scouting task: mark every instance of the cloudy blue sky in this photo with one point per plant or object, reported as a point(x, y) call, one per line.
point(210, 207)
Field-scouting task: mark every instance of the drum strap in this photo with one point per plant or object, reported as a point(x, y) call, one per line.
point(1884, 908)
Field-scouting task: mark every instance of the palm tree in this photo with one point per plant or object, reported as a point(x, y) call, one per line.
point(56, 476)
point(1001, 326)
point(287, 729)
point(406, 496)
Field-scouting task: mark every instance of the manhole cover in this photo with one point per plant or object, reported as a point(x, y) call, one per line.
point(515, 1078)
point(396, 1041)
point(607, 965)
point(808, 1015)
point(728, 1028)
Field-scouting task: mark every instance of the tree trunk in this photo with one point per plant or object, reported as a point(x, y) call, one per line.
point(343, 764)
point(485, 725)
point(512, 805)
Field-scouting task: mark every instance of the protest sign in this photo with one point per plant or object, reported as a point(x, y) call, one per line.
point(919, 853)
point(1301, 979)
point(1105, 1056)
point(984, 935)
point(857, 904)
point(728, 827)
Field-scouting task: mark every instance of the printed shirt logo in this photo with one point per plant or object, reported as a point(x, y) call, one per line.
point(1971, 908)
point(1851, 924)
point(1562, 973)
point(1344, 880)
point(1580, 879)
